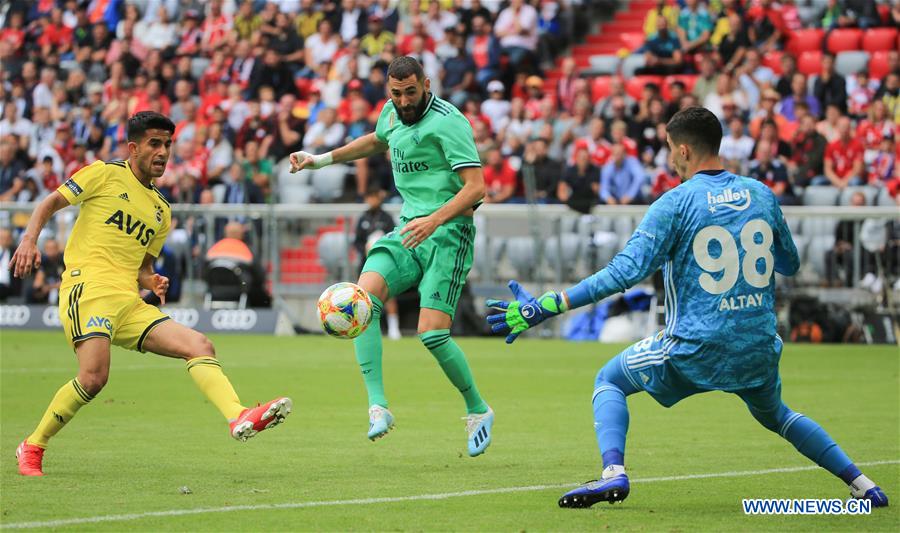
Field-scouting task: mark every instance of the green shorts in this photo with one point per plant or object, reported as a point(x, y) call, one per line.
point(438, 266)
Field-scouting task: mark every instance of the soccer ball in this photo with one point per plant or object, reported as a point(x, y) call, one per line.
point(345, 310)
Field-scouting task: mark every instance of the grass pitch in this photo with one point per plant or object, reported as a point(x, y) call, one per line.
point(150, 433)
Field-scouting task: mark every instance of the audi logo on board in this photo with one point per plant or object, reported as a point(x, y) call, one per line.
point(14, 315)
point(241, 319)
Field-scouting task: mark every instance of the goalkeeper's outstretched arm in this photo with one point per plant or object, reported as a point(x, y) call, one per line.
point(357, 149)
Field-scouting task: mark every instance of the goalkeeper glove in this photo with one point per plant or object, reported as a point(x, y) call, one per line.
point(314, 162)
point(524, 312)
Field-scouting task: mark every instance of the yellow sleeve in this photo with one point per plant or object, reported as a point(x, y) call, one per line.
point(159, 239)
point(85, 183)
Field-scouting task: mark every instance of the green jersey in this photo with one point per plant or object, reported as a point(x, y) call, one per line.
point(426, 155)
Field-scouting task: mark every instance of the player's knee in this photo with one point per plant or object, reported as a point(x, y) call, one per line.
point(93, 382)
point(773, 419)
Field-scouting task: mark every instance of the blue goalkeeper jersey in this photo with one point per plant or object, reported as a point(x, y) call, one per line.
point(719, 238)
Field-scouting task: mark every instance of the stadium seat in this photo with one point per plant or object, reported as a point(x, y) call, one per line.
point(878, 65)
point(801, 242)
point(488, 254)
point(885, 199)
point(228, 283)
point(295, 194)
point(794, 223)
point(688, 79)
point(821, 195)
point(843, 39)
point(810, 62)
point(600, 87)
point(604, 64)
point(815, 226)
point(773, 61)
point(564, 251)
point(815, 252)
point(328, 182)
point(634, 86)
point(623, 226)
point(850, 62)
point(198, 66)
point(522, 255)
point(632, 40)
point(334, 250)
point(870, 192)
point(875, 39)
point(805, 41)
point(606, 245)
point(809, 14)
point(631, 64)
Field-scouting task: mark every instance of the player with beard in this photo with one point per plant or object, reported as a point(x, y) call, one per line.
point(119, 232)
point(438, 174)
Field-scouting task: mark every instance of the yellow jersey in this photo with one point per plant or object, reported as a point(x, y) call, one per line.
point(121, 221)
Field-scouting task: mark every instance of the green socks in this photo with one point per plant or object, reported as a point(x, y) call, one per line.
point(368, 355)
point(453, 362)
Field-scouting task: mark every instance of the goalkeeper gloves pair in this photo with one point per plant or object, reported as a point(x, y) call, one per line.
point(524, 312)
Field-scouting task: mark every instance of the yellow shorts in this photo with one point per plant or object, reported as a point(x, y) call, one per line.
point(90, 309)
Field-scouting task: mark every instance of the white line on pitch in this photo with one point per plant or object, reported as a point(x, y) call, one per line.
point(392, 499)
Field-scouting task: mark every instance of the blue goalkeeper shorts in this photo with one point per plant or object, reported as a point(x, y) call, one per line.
point(647, 367)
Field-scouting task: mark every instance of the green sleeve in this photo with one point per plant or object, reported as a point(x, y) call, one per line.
point(458, 143)
point(386, 122)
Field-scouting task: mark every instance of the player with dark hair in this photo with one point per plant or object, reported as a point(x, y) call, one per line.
point(119, 232)
point(438, 174)
point(719, 238)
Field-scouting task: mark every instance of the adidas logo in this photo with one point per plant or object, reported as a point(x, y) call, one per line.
point(59, 418)
point(436, 296)
point(124, 196)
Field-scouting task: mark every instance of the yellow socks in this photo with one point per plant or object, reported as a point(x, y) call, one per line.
point(207, 374)
point(67, 401)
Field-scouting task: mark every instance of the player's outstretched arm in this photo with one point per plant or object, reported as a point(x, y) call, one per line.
point(524, 312)
point(27, 256)
point(357, 149)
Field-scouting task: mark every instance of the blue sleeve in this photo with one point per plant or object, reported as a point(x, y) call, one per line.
point(637, 177)
point(645, 252)
point(787, 261)
point(606, 174)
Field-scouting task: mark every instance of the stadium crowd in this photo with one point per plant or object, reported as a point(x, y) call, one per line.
point(249, 81)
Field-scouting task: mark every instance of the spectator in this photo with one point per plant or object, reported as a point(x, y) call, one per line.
point(307, 20)
point(773, 173)
point(727, 92)
point(159, 34)
point(484, 48)
point(272, 72)
point(830, 87)
point(458, 74)
point(372, 44)
point(326, 134)
point(247, 22)
point(798, 94)
point(754, 77)
point(321, 46)
point(858, 13)
point(766, 112)
point(889, 91)
point(737, 145)
point(828, 126)
point(883, 169)
point(839, 262)
point(604, 106)
point(766, 25)
point(438, 21)
point(662, 52)
point(387, 10)
point(768, 131)
point(220, 153)
point(694, 27)
point(517, 30)
point(807, 154)
point(844, 158)
point(621, 178)
point(662, 9)
point(9, 286)
point(287, 43)
point(499, 178)
point(44, 288)
point(618, 135)
point(580, 184)
point(241, 188)
point(874, 128)
point(543, 171)
point(707, 81)
point(232, 247)
point(788, 69)
point(860, 93)
point(496, 108)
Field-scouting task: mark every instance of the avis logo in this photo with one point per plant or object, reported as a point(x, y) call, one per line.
point(737, 200)
point(99, 322)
